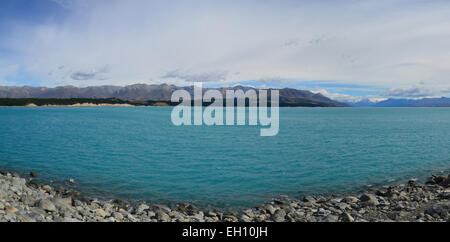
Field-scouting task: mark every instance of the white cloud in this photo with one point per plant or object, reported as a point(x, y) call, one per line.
point(345, 98)
point(214, 76)
point(390, 44)
point(417, 92)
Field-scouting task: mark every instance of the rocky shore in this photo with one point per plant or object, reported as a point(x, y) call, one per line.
point(23, 200)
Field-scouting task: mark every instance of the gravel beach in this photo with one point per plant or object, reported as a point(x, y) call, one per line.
point(23, 200)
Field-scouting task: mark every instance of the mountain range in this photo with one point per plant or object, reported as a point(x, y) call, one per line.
point(393, 102)
point(162, 92)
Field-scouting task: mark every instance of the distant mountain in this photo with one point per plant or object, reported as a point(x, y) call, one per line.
point(425, 102)
point(363, 103)
point(163, 92)
point(392, 102)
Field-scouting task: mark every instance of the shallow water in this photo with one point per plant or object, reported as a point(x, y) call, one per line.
point(136, 153)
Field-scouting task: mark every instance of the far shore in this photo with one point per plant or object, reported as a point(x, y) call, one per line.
point(32, 105)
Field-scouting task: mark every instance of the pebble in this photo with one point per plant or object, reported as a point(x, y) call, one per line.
point(100, 212)
point(11, 209)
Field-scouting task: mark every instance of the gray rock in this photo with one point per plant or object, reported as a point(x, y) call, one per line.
point(28, 200)
point(162, 216)
point(309, 199)
point(151, 214)
point(330, 218)
point(47, 205)
point(47, 188)
point(64, 203)
point(141, 208)
point(132, 218)
point(191, 209)
point(245, 218)
point(11, 209)
point(441, 209)
point(346, 217)
point(10, 217)
point(118, 216)
point(279, 216)
point(100, 212)
point(342, 206)
point(25, 218)
point(70, 220)
point(249, 213)
point(350, 199)
point(270, 209)
point(164, 208)
point(369, 199)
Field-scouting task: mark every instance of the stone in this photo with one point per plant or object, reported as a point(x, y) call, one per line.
point(28, 200)
point(108, 207)
point(346, 217)
point(441, 209)
point(151, 214)
point(191, 209)
point(350, 199)
point(270, 209)
point(70, 220)
point(47, 188)
point(117, 216)
point(24, 218)
point(245, 218)
point(369, 199)
point(249, 213)
point(100, 212)
point(120, 204)
point(162, 216)
point(309, 199)
point(279, 202)
point(279, 215)
point(181, 207)
point(439, 180)
point(63, 202)
point(47, 205)
point(330, 218)
point(11, 217)
point(342, 206)
point(33, 174)
point(11, 209)
point(141, 208)
point(165, 208)
point(412, 182)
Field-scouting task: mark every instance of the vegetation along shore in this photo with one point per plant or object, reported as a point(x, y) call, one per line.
point(24, 200)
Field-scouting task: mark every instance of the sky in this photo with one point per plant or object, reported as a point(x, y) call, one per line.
point(347, 50)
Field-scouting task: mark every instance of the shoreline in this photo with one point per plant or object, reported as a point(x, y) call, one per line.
point(32, 105)
point(24, 200)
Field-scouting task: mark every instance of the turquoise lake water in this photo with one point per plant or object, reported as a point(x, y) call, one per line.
point(136, 153)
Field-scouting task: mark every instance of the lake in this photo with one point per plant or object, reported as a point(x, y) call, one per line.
point(137, 153)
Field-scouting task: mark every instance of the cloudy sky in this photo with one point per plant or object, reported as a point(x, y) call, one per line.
point(344, 49)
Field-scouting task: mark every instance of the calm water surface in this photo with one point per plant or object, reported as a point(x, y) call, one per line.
point(136, 153)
